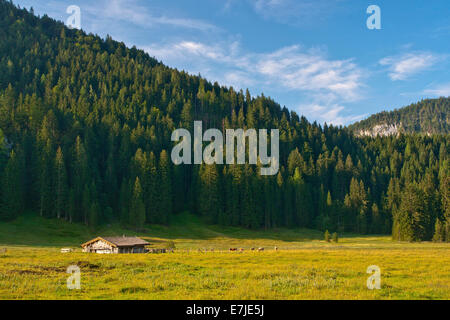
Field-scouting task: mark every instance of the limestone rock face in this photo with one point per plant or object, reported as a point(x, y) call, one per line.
point(382, 130)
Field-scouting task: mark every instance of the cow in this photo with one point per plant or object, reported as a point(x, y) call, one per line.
point(241, 250)
point(260, 249)
point(276, 248)
point(252, 249)
point(233, 249)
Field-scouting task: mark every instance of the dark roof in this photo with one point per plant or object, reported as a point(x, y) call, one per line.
point(126, 241)
point(120, 241)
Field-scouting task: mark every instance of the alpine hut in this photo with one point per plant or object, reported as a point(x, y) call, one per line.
point(115, 245)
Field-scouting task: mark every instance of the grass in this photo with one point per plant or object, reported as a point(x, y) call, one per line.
point(304, 267)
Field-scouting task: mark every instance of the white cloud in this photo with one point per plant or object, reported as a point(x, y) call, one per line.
point(311, 71)
point(331, 114)
point(290, 68)
point(442, 90)
point(131, 11)
point(404, 66)
point(295, 12)
point(306, 72)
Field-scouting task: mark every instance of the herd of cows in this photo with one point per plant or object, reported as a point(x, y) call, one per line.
point(239, 250)
point(252, 249)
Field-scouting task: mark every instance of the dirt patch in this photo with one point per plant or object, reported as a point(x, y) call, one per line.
point(86, 265)
point(53, 269)
point(28, 271)
point(133, 290)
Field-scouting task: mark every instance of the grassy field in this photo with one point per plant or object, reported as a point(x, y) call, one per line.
point(304, 267)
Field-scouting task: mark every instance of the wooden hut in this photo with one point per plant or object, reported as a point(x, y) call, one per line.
point(115, 245)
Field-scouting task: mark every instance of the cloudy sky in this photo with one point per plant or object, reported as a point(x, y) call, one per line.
point(316, 57)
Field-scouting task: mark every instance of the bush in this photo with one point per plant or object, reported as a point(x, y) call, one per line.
point(171, 245)
point(335, 237)
point(327, 236)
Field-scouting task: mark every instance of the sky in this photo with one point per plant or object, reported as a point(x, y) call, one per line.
point(316, 57)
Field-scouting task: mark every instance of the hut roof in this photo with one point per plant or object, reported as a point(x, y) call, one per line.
point(120, 241)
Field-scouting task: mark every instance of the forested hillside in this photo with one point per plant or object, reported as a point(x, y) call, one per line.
point(430, 116)
point(86, 126)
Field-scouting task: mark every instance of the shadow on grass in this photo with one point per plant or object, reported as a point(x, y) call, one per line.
point(31, 229)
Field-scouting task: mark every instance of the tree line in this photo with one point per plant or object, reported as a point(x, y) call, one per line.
point(429, 116)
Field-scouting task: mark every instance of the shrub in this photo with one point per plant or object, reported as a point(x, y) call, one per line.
point(171, 244)
point(327, 236)
point(335, 237)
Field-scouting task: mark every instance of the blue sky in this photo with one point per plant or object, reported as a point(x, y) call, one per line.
point(316, 57)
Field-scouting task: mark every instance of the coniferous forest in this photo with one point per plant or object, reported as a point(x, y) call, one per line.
point(86, 128)
point(430, 116)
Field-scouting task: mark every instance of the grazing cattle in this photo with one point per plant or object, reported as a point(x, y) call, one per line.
point(155, 250)
point(252, 249)
point(276, 248)
point(260, 249)
point(241, 250)
point(233, 249)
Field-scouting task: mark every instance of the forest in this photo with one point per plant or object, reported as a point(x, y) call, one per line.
point(429, 116)
point(86, 128)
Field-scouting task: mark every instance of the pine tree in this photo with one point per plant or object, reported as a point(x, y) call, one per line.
point(409, 221)
point(151, 192)
point(86, 203)
point(209, 197)
point(327, 236)
point(124, 202)
point(46, 183)
point(80, 178)
point(12, 188)
point(60, 186)
point(165, 188)
point(377, 223)
point(94, 215)
point(439, 231)
point(71, 210)
point(137, 209)
point(335, 237)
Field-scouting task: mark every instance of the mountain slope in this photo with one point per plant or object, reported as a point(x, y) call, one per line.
point(431, 116)
point(88, 122)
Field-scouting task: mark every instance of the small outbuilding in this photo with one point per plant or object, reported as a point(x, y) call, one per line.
point(115, 245)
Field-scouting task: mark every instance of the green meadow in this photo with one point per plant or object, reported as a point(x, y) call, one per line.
point(304, 267)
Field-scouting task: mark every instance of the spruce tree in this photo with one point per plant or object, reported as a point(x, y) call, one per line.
point(209, 198)
point(61, 189)
point(335, 237)
point(12, 188)
point(326, 236)
point(137, 209)
point(165, 188)
point(439, 231)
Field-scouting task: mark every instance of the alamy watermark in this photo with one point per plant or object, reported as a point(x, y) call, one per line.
point(74, 20)
point(374, 281)
point(374, 21)
point(74, 281)
point(214, 152)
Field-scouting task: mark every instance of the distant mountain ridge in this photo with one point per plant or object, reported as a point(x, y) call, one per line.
point(430, 116)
